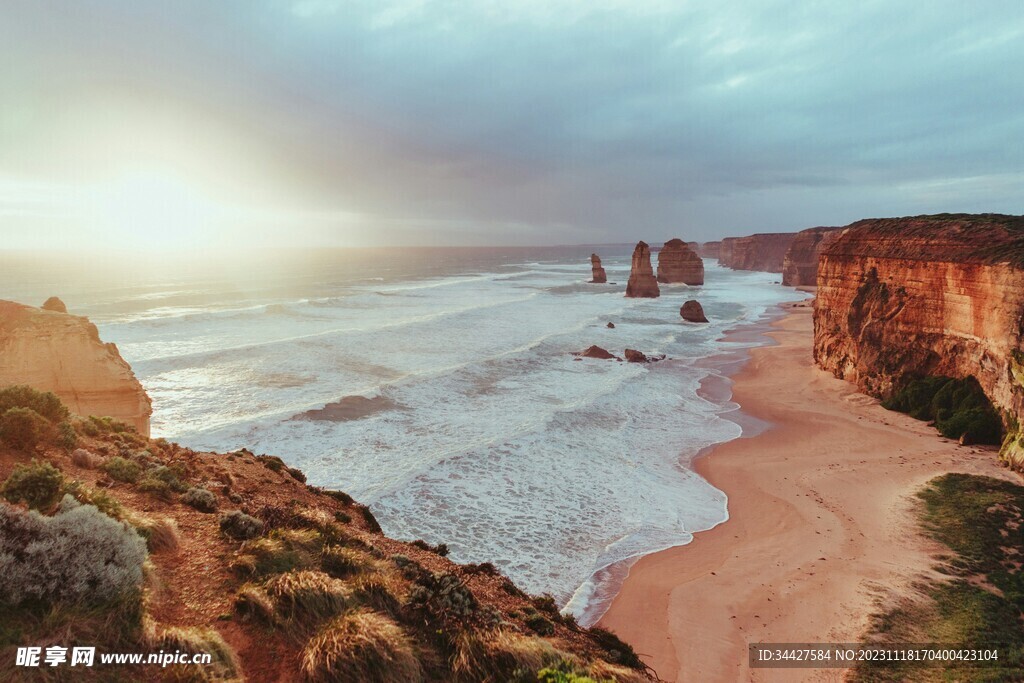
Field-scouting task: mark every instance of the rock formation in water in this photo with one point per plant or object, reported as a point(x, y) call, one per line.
point(53, 351)
point(642, 283)
point(599, 276)
point(693, 312)
point(634, 356)
point(610, 326)
point(763, 251)
point(678, 263)
point(596, 351)
point(54, 304)
point(800, 265)
point(927, 296)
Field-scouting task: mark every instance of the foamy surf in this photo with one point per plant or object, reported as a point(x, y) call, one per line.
point(492, 438)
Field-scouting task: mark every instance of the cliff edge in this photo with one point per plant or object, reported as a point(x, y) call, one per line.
point(764, 251)
point(943, 295)
point(53, 351)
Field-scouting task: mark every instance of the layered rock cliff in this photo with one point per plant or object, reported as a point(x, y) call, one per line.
point(642, 283)
point(597, 270)
point(763, 251)
point(677, 262)
point(800, 264)
point(927, 296)
point(53, 351)
point(709, 249)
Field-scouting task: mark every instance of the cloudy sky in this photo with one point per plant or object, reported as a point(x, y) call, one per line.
point(212, 123)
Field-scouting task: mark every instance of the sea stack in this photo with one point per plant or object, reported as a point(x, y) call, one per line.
point(49, 350)
point(677, 262)
point(693, 312)
point(599, 274)
point(642, 283)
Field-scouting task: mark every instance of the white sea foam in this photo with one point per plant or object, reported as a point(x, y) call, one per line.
point(501, 445)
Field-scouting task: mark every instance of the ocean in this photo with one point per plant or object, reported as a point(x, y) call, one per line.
point(483, 431)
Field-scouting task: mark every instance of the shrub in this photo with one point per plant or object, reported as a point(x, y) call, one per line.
point(253, 601)
point(37, 484)
point(122, 469)
point(487, 568)
point(45, 403)
point(271, 462)
point(361, 647)
point(339, 496)
point(160, 534)
point(282, 551)
point(200, 499)
point(240, 526)
point(440, 549)
point(100, 500)
point(619, 652)
point(341, 562)
point(307, 596)
point(540, 624)
point(223, 664)
point(108, 425)
point(87, 460)
point(23, 428)
point(79, 554)
point(297, 474)
point(493, 656)
point(67, 438)
point(443, 596)
point(371, 521)
point(959, 408)
point(170, 476)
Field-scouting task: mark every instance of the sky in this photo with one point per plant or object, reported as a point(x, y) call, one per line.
point(138, 124)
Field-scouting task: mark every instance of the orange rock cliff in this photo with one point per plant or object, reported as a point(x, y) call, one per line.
point(642, 283)
point(54, 351)
point(928, 295)
point(800, 264)
point(677, 262)
point(763, 251)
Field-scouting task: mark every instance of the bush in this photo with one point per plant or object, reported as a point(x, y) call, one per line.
point(493, 656)
point(240, 526)
point(619, 652)
point(67, 438)
point(44, 403)
point(23, 428)
point(361, 647)
point(443, 596)
point(959, 408)
point(343, 562)
point(170, 476)
point(223, 664)
point(78, 555)
point(440, 549)
point(200, 499)
point(160, 534)
point(122, 469)
point(284, 550)
point(540, 624)
point(87, 460)
point(307, 596)
point(37, 484)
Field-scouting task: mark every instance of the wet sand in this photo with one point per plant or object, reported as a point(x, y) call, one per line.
point(821, 524)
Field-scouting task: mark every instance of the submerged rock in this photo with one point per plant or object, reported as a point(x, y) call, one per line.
point(610, 326)
point(596, 352)
point(693, 312)
point(642, 283)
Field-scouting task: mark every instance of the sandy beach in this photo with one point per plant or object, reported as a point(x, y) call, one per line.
point(821, 524)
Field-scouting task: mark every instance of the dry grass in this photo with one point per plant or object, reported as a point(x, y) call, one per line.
point(361, 647)
point(224, 665)
point(161, 534)
point(307, 596)
point(283, 550)
point(491, 656)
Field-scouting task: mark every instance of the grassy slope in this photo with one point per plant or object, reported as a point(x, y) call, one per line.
point(979, 519)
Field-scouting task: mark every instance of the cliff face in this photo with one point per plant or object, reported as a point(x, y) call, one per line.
point(929, 295)
point(597, 270)
point(709, 249)
point(763, 251)
point(677, 262)
point(800, 264)
point(53, 351)
point(641, 276)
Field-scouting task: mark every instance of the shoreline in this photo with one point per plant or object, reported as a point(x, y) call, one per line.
point(820, 522)
point(605, 583)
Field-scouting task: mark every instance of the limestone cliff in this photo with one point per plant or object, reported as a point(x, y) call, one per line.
point(642, 283)
point(597, 270)
point(677, 262)
point(709, 249)
point(763, 251)
point(927, 296)
point(800, 264)
point(53, 351)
